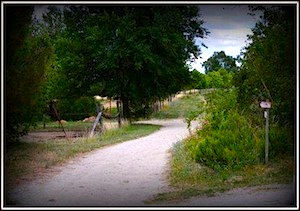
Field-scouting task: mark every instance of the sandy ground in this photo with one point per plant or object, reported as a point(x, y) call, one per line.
point(130, 173)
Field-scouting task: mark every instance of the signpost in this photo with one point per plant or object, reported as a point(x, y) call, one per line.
point(266, 105)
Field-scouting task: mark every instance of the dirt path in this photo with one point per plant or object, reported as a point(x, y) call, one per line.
point(125, 174)
point(130, 173)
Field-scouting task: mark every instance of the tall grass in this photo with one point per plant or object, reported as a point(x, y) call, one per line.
point(180, 108)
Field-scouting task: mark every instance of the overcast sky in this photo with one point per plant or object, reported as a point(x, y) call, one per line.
point(229, 26)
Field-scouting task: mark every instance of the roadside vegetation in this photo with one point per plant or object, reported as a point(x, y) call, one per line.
point(227, 151)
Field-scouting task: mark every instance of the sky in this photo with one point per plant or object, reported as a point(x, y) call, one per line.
point(229, 26)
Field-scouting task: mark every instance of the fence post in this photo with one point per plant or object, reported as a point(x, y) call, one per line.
point(119, 111)
point(95, 124)
point(58, 117)
point(267, 136)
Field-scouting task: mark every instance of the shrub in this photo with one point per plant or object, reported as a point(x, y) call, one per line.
point(229, 140)
point(232, 144)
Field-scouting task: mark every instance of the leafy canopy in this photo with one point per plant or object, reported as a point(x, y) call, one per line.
point(137, 54)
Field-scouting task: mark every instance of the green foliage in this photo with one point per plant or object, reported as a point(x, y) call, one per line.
point(26, 60)
point(213, 80)
point(227, 140)
point(231, 138)
point(76, 109)
point(281, 141)
point(220, 60)
point(268, 68)
point(198, 80)
point(216, 79)
point(232, 145)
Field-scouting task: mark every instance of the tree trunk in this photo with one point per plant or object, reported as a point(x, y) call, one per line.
point(126, 108)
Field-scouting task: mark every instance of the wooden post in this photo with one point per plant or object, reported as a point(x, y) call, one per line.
point(267, 136)
point(119, 111)
point(95, 124)
point(266, 105)
point(59, 121)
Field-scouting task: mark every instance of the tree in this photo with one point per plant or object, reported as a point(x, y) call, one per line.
point(137, 54)
point(268, 68)
point(219, 79)
point(26, 57)
point(220, 60)
point(214, 80)
point(197, 80)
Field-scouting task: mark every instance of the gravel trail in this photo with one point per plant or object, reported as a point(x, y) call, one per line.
point(132, 172)
point(124, 174)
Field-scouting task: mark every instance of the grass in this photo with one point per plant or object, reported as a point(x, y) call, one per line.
point(189, 178)
point(70, 125)
point(26, 160)
point(180, 108)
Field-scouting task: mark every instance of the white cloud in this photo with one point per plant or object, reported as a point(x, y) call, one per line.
point(229, 26)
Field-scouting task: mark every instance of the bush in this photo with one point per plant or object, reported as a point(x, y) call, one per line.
point(229, 140)
point(233, 144)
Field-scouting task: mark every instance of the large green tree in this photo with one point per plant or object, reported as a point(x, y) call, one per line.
point(137, 54)
point(219, 60)
point(268, 70)
point(26, 58)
